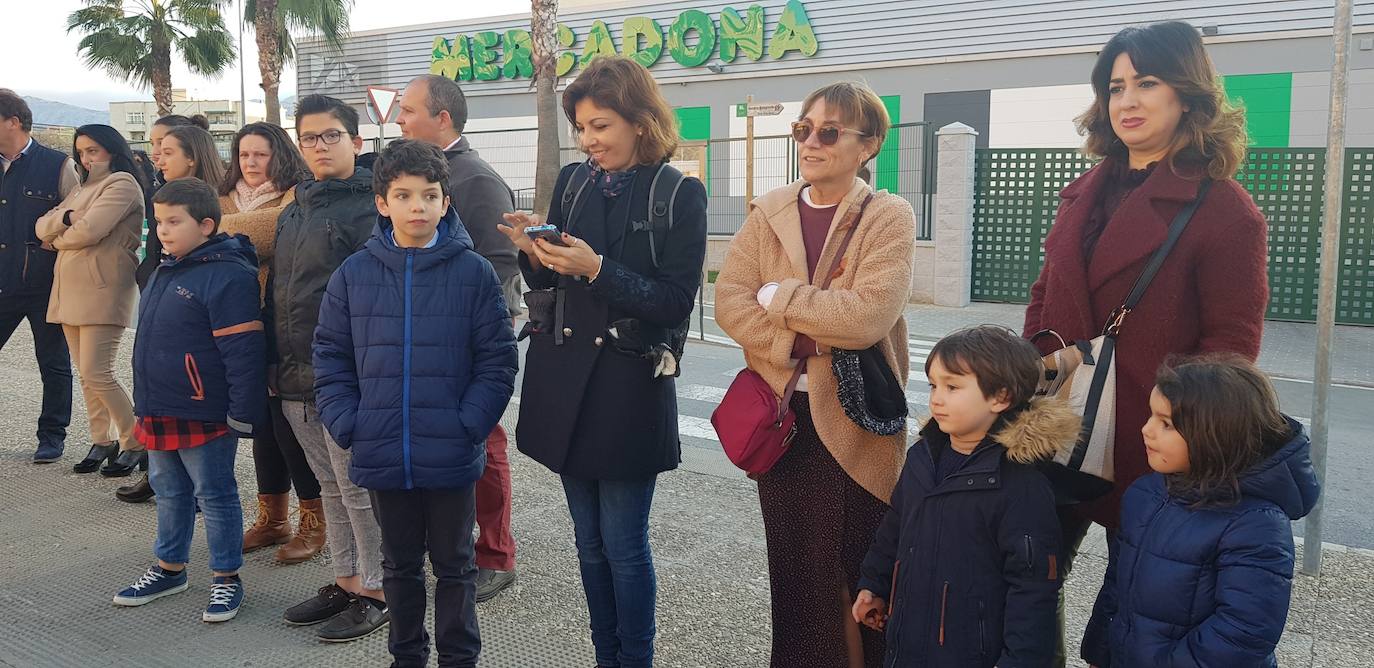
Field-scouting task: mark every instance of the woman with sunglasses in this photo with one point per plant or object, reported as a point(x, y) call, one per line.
point(824, 498)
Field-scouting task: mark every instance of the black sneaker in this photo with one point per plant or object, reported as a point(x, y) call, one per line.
point(491, 582)
point(331, 600)
point(362, 618)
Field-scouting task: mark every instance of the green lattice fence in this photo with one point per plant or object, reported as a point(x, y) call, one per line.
point(1017, 193)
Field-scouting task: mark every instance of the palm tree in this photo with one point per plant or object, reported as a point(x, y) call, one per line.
point(137, 45)
point(273, 21)
point(543, 33)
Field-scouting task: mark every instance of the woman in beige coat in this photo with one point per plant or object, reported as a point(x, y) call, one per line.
point(822, 502)
point(96, 231)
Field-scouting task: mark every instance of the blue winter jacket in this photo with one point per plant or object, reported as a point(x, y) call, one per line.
point(415, 360)
point(200, 350)
point(1208, 587)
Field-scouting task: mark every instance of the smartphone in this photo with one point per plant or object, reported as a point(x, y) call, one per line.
point(548, 233)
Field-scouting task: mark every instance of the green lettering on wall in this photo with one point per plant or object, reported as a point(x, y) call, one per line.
point(742, 33)
point(794, 32)
point(566, 60)
point(519, 56)
point(692, 56)
point(598, 44)
point(450, 58)
point(484, 55)
point(636, 27)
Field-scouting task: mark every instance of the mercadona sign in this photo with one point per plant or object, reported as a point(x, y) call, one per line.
point(491, 55)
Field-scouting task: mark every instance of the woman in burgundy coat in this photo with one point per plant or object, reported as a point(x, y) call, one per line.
point(1161, 123)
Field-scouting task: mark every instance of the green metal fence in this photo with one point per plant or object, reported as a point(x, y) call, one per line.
point(1017, 193)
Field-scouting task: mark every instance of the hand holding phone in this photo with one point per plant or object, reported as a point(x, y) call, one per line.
point(548, 233)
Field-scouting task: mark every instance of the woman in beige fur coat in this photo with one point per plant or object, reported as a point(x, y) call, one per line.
point(823, 501)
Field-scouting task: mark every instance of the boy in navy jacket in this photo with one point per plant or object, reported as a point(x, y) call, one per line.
point(963, 572)
point(199, 385)
point(415, 361)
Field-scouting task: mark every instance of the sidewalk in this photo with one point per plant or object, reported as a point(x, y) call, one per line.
point(66, 546)
point(1287, 350)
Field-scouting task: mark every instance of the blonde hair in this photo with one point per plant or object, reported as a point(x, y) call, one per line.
point(859, 106)
point(626, 87)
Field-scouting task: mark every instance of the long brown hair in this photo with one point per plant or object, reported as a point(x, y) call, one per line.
point(200, 147)
point(625, 87)
point(1228, 412)
point(1211, 134)
point(284, 170)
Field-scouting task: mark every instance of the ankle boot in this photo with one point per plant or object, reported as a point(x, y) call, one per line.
point(309, 538)
point(271, 527)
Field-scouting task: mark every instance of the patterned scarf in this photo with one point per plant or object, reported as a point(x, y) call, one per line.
point(247, 198)
point(611, 183)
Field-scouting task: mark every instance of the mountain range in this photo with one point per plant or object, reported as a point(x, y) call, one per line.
point(48, 112)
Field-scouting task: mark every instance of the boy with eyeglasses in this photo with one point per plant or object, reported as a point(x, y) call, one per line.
point(332, 217)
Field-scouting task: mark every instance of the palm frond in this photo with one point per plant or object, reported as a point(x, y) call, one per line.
point(207, 52)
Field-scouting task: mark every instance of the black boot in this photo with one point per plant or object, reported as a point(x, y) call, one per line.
point(125, 463)
point(136, 493)
point(99, 453)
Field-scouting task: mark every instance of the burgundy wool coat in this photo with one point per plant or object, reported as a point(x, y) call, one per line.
point(1209, 296)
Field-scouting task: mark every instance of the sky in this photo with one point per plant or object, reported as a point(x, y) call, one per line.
point(60, 74)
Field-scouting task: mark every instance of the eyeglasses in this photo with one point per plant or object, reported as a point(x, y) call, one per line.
point(826, 134)
point(329, 137)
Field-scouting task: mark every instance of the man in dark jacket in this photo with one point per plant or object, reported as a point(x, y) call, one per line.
point(433, 110)
point(418, 315)
point(331, 219)
point(33, 180)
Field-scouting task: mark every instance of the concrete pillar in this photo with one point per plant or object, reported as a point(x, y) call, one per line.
point(953, 224)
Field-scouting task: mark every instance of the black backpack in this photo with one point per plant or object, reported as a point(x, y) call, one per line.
point(662, 192)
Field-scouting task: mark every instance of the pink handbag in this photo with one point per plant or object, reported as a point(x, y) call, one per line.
point(754, 427)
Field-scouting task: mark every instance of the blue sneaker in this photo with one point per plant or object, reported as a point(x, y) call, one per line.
point(226, 597)
point(48, 453)
point(154, 584)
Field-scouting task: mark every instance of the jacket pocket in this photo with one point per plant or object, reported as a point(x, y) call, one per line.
point(193, 374)
point(944, 608)
point(982, 629)
point(892, 591)
point(97, 278)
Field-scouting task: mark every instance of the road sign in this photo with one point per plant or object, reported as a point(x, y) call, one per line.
point(380, 102)
point(752, 109)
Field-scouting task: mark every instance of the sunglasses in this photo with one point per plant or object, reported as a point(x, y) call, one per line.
point(828, 135)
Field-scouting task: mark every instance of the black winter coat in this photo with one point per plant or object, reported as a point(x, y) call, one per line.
point(329, 221)
point(968, 565)
point(587, 410)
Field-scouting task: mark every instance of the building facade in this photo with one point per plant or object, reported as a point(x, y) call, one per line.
point(135, 119)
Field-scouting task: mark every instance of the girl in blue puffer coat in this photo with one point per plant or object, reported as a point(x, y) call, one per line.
point(1204, 563)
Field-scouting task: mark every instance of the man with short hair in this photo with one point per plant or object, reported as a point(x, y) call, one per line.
point(33, 180)
point(434, 110)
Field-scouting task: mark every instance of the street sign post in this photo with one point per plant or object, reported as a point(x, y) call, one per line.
point(749, 110)
point(380, 103)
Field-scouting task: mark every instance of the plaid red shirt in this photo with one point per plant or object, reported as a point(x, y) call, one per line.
point(169, 433)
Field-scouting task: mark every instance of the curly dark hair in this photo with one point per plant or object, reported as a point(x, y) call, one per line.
point(409, 157)
point(287, 167)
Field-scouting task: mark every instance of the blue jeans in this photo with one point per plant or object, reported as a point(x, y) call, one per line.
point(180, 478)
point(611, 527)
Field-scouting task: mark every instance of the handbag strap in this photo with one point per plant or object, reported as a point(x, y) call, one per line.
point(849, 224)
point(1118, 316)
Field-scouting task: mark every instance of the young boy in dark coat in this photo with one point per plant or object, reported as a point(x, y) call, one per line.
point(415, 361)
point(199, 385)
point(963, 572)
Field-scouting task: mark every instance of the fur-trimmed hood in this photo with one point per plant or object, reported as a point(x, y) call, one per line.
point(1040, 431)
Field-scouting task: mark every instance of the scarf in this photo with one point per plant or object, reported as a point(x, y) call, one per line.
point(611, 183)
point(247, 198)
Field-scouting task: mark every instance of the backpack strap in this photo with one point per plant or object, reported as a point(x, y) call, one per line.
point(668, 180)
point(574, 192)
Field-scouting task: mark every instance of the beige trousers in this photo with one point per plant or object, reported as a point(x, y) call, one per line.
point(111, 414)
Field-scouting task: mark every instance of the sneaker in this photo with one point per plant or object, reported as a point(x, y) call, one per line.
point(226, 597)
point(329, 601)
point(154, 584)
point(491, 582)
point(48, 453)
point(360, 619)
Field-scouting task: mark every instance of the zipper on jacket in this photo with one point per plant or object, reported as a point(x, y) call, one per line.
point(24, 275)
point(405, 374)
point(193, 373)
point(1030, 556)
point(982, 629)
point(892, 591)
point(944, 602)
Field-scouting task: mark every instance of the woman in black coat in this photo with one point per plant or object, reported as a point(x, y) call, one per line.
point(598, 405)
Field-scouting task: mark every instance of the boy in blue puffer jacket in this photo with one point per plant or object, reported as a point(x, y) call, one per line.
point(200, 383)
point(415, 361)
point(1203, 568)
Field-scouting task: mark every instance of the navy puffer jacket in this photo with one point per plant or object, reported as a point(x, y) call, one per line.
point(415, 360)
point(1208, 587)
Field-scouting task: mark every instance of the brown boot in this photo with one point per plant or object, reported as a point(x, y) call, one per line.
point(309, 538)
point(271, 527)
